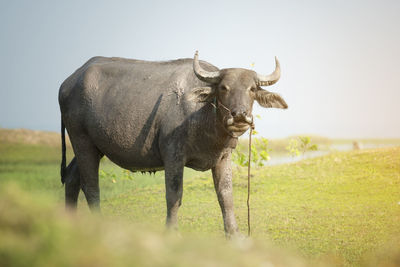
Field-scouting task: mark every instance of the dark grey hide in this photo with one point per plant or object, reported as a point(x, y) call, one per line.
point(149, 116)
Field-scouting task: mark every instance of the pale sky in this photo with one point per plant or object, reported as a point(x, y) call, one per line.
point(340, 60)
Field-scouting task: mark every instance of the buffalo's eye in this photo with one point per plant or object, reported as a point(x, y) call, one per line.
point(253, 89)
point(224, 88)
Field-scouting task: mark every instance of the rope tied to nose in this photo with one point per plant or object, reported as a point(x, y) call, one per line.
point(248, 181)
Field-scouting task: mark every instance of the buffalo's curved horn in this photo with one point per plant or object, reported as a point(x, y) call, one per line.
point(206, 76)
point(265, 80)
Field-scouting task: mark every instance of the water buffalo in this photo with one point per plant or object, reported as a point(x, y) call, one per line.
point(149, 116)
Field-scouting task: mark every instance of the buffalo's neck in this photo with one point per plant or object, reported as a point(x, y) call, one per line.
point(216, 133)
point(208, 142)
point(224, 138)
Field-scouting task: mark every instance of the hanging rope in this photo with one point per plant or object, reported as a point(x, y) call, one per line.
point(248, 182)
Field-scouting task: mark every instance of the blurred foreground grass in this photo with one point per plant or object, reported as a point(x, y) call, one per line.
point(34, 232)
point(343, 208)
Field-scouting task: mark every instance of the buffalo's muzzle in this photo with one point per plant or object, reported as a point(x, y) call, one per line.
point(239, 124)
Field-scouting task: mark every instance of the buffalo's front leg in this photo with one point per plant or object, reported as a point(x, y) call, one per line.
point(173, 189)
point(222, 175)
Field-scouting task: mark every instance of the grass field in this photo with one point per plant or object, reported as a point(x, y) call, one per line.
point(340, 209)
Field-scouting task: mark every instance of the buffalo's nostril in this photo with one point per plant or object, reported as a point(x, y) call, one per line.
point(239, 114)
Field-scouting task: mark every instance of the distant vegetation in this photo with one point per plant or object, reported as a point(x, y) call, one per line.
point(280, 146)
point(341, 209)
point(30, 137)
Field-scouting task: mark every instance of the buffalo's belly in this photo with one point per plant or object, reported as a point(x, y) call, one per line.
point(127, 149)
point(135, 161)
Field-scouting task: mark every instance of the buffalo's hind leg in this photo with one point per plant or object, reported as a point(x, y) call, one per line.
point(72, 185)
point(88, 159)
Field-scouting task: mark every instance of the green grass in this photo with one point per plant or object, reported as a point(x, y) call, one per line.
point(343, 207)
point(32, 167)
point(344, 204)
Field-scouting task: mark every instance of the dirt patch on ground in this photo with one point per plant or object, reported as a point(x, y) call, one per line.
point(32, 137)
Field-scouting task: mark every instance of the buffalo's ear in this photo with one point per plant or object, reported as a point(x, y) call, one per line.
point(201, 94)
point(268, 99)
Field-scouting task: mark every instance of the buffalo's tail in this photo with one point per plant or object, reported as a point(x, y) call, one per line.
point(64, 149)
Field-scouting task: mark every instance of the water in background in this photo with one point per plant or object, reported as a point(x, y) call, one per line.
point(277, 159)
